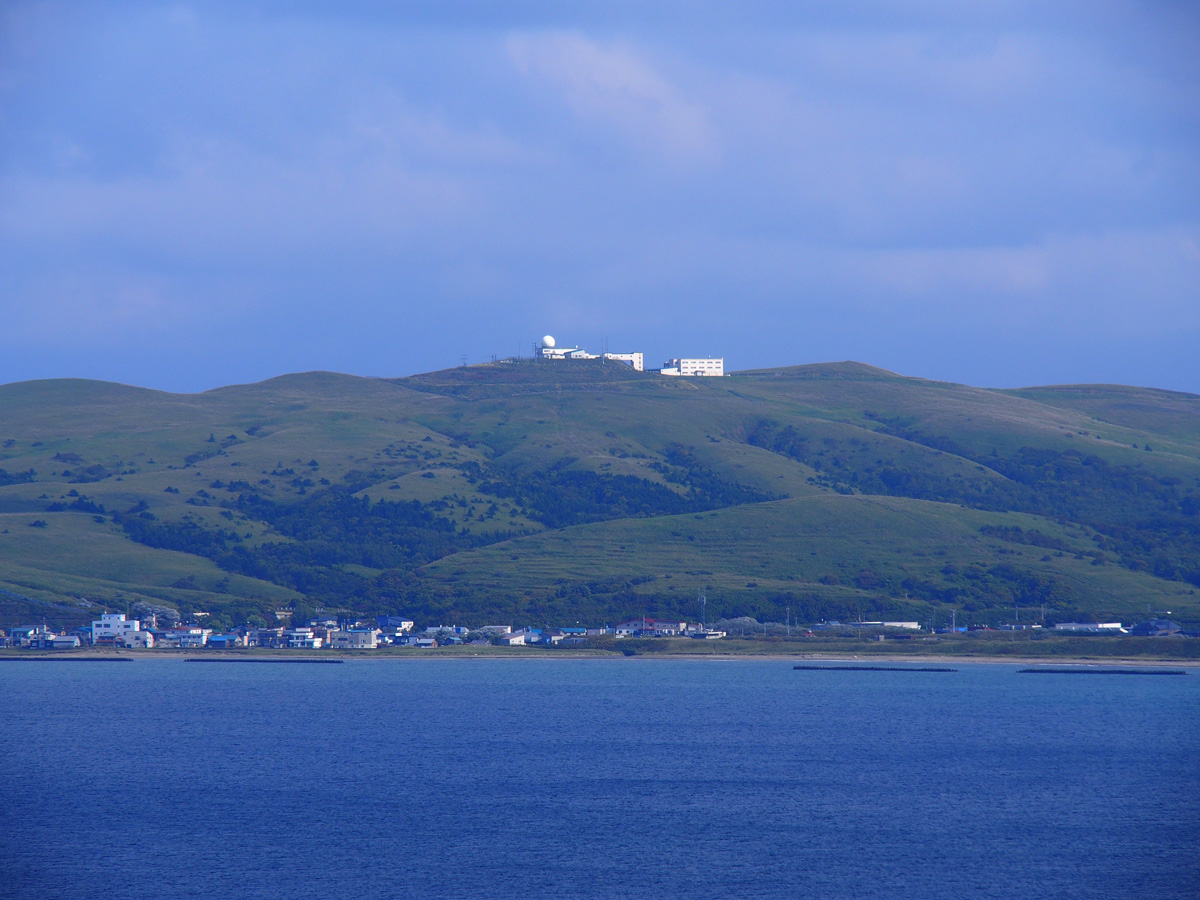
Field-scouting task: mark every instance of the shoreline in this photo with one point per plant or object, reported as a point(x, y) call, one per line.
point(864, 659)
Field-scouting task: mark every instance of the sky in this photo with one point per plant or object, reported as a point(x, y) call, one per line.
point(999, 193)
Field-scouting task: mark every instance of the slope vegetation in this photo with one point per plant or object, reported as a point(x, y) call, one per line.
point(587, 492)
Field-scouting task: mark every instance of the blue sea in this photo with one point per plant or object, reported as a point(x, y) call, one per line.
point(593, 779)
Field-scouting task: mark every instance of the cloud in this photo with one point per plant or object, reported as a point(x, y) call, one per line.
point(614, 87)
point(92, 308)
point(1110, 284)
point(775, 182)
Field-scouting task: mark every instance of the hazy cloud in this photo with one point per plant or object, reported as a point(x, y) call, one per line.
point(615, 88)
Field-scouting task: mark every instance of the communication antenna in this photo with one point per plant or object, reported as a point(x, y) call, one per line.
point(464, 359)
point(703, 612)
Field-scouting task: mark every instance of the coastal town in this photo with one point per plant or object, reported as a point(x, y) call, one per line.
point(119, 631)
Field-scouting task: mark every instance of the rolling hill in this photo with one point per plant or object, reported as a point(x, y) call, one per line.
point(586, 492)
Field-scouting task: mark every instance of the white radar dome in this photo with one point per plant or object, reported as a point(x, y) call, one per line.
point(548, 340)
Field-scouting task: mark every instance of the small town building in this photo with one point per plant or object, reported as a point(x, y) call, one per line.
point(265, 637)
point(495, 629)
point(355, 639)
point(1156, 628)
point(23, 635)
point(185, 637)
point(302, 639)
point(645, 626)
point(47, 640)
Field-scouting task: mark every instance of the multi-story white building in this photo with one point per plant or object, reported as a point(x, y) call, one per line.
point(706, 366)
point(114, 628)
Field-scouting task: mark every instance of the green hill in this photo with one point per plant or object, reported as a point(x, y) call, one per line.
point(588, 492)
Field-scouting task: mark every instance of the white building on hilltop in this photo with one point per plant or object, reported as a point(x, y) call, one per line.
point(547, 348)
point(690, 367)
point(634, 359)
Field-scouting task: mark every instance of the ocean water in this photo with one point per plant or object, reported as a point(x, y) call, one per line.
point(593, 779)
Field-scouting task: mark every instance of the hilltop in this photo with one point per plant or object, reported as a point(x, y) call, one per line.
point(587, 491)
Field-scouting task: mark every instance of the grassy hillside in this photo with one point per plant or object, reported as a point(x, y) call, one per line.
point(588, 492)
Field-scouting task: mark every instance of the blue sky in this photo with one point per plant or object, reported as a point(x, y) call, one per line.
point(996, 193)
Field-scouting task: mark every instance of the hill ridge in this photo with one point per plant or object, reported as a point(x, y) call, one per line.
point(592, 491)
